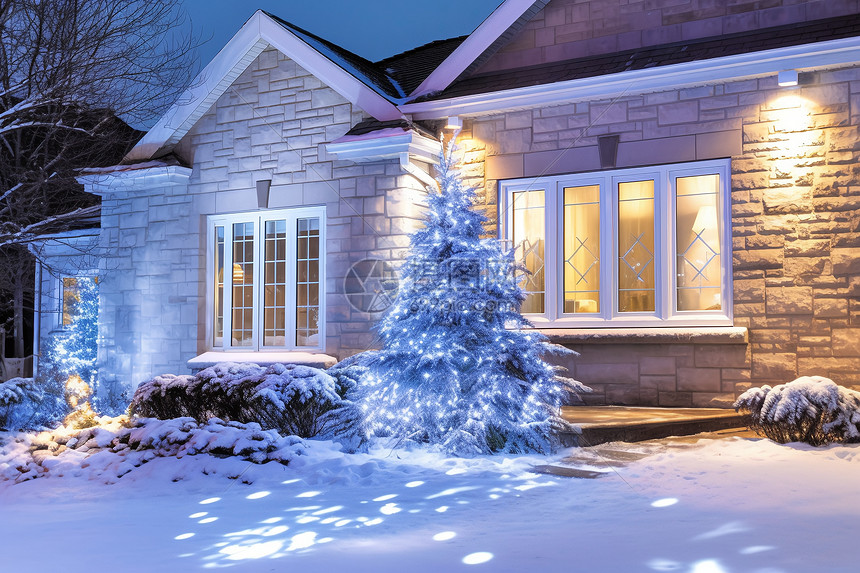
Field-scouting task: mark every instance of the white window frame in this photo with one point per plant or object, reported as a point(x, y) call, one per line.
point(259, 219)
point(665, 310)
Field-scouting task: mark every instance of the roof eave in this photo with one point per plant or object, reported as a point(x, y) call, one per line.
point(829, 54)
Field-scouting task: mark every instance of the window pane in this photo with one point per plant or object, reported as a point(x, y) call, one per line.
point(528, 235)
point(307, 282)
point(219, 286)
point(636, 287)
point(243, 284)
point(697, 240)
point(274, 307)
point(581, 234)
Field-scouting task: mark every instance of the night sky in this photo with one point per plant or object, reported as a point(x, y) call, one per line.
point(373, 29)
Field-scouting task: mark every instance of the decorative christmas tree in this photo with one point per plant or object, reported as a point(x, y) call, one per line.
point(458, 366)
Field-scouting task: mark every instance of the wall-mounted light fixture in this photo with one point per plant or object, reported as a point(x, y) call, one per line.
point(787, 78)
point(454, 122)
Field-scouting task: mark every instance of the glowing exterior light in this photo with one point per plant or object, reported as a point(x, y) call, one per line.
point(787, 78)
point(454, 122)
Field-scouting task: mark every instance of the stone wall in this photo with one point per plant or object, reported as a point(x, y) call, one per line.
point(795, 222)
point(567, 29)
point(269, 125)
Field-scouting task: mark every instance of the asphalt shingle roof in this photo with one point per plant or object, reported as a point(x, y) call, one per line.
point(655, 56)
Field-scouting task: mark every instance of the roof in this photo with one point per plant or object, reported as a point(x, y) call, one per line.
point(411, 67)
point(655, 56)
point(373, 125)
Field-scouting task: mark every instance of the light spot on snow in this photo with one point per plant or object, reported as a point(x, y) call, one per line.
point(414, 483)
point(309, 494)
point(184, 536)
point(272, 520)
point(209, 500)
point(258, 495)
point(331, 509)
point(476, 558)
point(302, 540)
point(444, 536)
point(451, 491)
point(325, 540)
point(255, 551)
point(289, 481)
point(342, 522)
point(442, 509)
point(455, 471)
point(385, 497)
point(727, 529)
point(709, 566)
point(390, 509)
point(663, 565)
point(208, 520)
point(198, 514)
point(665, 502)
point(307, 519)
point(756, 549)
point(376, 521)
point(278, 529)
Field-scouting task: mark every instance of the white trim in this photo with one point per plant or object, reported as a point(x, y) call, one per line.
point(262, 358)
point(665, 288)
point(387, 144)
point(258, 33)
point(832, 53)
point(473, 46)
point(129, 179)
point(259, 218)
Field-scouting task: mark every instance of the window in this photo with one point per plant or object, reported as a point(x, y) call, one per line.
point(633, 247)
point(71, 297)
point(265, 279)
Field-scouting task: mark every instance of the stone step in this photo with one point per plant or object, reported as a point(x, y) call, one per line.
point(601, 424)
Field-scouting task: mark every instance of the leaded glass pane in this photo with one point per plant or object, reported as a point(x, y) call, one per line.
point(636, 278)
point(529, 236)
point(697, 241)
point(581, 263)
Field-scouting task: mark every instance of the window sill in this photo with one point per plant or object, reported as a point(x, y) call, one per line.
point(317, 360)
point(698, 335)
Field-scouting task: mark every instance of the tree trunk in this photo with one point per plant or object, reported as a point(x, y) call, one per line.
point(18, 315)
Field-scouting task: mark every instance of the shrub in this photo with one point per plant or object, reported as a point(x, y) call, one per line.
point(811, 409)
point(293, 399)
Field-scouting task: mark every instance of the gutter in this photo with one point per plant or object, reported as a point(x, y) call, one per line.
point(830, 54)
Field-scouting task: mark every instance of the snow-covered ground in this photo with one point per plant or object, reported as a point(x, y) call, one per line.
point(729, 505)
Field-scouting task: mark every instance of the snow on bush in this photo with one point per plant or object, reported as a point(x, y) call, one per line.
point(17, 398)
point(293, 399)
point(116, 446)
point(811, 409)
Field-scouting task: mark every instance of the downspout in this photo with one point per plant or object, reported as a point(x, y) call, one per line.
point(416, 172)
point(37, 318)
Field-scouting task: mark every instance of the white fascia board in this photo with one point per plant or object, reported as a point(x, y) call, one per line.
point(829, 54)
point(258, 32)
point(391, 147)
point(65, 243)
point(473, 46)
point(104, 183)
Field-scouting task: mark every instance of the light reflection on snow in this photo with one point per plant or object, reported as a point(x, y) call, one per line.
point(375, 521)
point(385, 497)
point(258, 495)
point(663, 565)
point(442, 509)
point(708, 566)
point(255, 551)
point(309, 494)
point(752, 550)
point(451, 491)
point(208, 520)
point(727, 529)
point(198, 514)
point(665, 502)
point(272, 520)
point(444, 536)
point(414, 483)
point(289, 481)
point(390, 509)
point(184, 536)
point(209, 500)
point(476, 558)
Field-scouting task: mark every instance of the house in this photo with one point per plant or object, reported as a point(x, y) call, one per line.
point(681, 178)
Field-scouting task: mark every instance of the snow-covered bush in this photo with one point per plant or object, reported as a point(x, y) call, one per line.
point(293, 399)
point(459, 366)
point(811, 409)
point(19, 398)
point(118, 445)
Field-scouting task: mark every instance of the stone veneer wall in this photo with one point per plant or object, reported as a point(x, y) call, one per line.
point(795, 224)
point(567, 29)
point(269, 125)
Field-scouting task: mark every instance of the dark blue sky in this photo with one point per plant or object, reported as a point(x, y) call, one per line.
point(374, 29)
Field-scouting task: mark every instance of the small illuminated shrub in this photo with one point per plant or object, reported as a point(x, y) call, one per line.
point(293, 399)
point(811, 409)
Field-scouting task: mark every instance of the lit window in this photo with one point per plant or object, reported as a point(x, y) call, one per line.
point(270, 294)
point(72, 297)
point(632, 247)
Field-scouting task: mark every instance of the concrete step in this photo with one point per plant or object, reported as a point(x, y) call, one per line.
point(601, 424)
